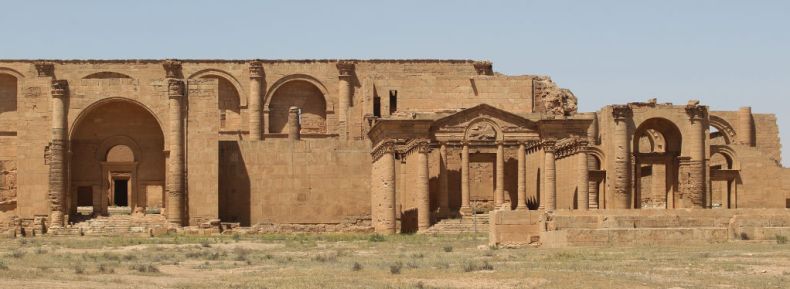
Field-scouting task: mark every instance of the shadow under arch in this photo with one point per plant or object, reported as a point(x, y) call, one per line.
point(99, 103)
point(299, 77)
point(227, 76)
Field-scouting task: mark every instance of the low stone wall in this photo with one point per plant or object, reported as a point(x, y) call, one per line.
point(635, 227)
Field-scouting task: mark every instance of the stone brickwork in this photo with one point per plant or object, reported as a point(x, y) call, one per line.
point(354, 145)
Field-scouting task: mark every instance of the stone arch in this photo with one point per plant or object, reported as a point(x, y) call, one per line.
point(299, 77)
point(726, 130)
point(105, 75)
point(305, 93)
point(483, 129)
point(99, 129)
point(656, 171)
point(227, 76)
point(102, 102)
point(230, 100)
point(728, 153)
point(10, 85)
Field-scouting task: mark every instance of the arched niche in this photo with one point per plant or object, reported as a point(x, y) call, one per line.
point(10, 83)
point(303, 93)
point(106, 75)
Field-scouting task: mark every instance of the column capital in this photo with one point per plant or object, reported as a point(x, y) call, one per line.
point(621, 112)
point(424, 147)
point(484, 67)
point(345, 69)
point(549, 146)
point(60, 88)
point(175, 88)
point(45, 69)
point(256, 69)
point(172, 68)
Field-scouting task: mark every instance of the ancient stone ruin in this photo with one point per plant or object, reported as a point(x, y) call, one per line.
point(118, 146)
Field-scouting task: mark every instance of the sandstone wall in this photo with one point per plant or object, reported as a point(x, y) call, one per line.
point(308, 181)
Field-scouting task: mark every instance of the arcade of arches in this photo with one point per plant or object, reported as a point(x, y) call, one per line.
point(355, 145)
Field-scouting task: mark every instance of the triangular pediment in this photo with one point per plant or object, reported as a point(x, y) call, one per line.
point(483, 122)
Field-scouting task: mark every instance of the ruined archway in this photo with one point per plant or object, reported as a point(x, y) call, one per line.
point(657, 147)
point(304, 95)
point(117, 158)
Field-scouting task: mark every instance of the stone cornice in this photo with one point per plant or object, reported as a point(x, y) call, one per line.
point(45, 69)
point(621, 112)
point(385, 147)
point(571, 146)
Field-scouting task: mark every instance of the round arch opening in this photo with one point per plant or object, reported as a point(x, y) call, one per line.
point(657, 146)
point(303, 95)
point(117, 160)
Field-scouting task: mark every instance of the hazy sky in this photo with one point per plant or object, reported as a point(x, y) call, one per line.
point(726, 53)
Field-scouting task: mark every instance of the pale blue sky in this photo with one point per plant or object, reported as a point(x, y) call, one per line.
point(725, 53)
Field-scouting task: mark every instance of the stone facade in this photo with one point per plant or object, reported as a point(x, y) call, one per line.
point(384, 145)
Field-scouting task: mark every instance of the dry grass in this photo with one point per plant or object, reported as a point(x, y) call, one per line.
point(373, 261)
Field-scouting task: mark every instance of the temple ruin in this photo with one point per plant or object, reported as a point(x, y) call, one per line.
point(360, 145)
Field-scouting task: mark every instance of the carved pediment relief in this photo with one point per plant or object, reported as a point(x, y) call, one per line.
point(482, 123)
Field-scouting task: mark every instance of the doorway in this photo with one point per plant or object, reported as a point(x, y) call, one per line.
point(121, 192)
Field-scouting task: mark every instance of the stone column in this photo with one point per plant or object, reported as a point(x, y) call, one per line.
point(622, 158)
point(499, 191)
point(745, 128)
point(383, 188)
point(583, 192)
point(465, 204)
point(423, 190)
point(522, 178)
point(444, 203)
point(175, 195)
point(344, 92)
point(696, 141)
point(293, 123)
point(549, 177)
point(254, 100)
point(57, 154)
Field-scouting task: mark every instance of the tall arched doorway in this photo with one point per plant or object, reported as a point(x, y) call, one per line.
point(117, 158)
point(657, 147)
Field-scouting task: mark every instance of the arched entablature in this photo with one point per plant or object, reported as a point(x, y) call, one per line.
point(330, 103)
point(105, 75)
point(728, 153)
point(88, 109)
point(119, 140)
point(483, 129)
point(726, 130)
point(227, 76)
point(12, 72)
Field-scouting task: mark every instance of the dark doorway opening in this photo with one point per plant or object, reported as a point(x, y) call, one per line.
point(120, 193)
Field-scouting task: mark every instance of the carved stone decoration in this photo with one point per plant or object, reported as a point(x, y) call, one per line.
point(256, 69)
point(345, 68)
point(175, 88)
point(556, 100)
point(424, 147)
point(549, 146)
point(484, 68)
point(481, 131)
point(60, 88)
point(621, 112)
point(172, 69)
point(696, 111)
point(45, 69)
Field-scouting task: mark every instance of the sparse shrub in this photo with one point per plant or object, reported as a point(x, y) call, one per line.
point(448, 248)
point(241, 253)
point(420, 285)
point(356, 267)
point(78, 268)
point(744, 236)
point(443, 265)
point(145, 268)
point(781, 239)
point(40, 251)
point(3, 266)
point(376, 238)
point(17, 254)
point(474, 266)
point(236, 237)
point(417, 255)
point(106, 269)
point(488, 253)
point(412, 264)
point(205, 243)
point(396, 267)
point(323, 258)
point(268, 256)
point(22, 241)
